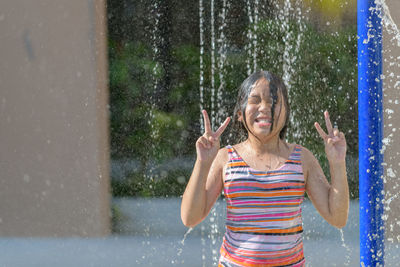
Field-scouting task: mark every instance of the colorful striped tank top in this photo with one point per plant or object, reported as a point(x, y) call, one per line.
point(263, 224)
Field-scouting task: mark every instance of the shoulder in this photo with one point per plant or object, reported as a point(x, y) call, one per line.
point(222, 157)
point(308, 159)
point(306, 154)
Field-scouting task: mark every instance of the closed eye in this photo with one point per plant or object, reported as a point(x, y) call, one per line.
point(254, 99)
point(257, 99)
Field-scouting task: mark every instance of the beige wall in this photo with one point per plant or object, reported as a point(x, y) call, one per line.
point(54, 145)
point(392, 121)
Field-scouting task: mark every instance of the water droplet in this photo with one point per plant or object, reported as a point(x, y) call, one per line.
point(181, 179)
point(164, 174)
point(179, 123)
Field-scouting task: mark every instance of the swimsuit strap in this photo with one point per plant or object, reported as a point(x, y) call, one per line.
point(232, 153)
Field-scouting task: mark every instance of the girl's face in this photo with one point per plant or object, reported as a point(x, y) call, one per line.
point(258, 111)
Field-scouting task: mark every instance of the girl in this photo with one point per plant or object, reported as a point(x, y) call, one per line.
point(264, 179)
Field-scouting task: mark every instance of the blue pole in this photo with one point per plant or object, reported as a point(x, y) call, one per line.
point(370, 130)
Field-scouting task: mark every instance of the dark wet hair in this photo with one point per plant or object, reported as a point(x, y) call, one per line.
point(275, 85)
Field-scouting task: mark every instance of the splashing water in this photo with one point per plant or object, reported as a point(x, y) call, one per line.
point(214, 233)
point(183, 241)
point(387, 20)
point(290, 56)
point(390, 82)
point(185, 235)
point(348, 249)
point(203, 246)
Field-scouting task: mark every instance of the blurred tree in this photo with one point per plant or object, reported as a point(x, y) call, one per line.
point(155, 71)
point(331, 8)
point(332, 14)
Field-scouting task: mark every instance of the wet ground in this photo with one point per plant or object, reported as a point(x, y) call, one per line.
point(144, 251)
point(151, 234)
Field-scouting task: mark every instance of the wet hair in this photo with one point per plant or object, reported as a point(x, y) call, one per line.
point(275, 85)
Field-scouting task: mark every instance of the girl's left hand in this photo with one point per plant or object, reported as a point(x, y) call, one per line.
point(335, 142)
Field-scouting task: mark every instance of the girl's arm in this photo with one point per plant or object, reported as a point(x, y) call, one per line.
point(205, 183)
point(331, 200)
point(203, 189)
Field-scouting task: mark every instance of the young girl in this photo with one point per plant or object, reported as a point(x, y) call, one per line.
point(264, 179)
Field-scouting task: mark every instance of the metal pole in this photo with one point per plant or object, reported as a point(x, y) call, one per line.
point(370, 130)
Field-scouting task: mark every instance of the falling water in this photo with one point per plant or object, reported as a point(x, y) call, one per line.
point(218, 52)
point(348, 249)
point(250, 48)
point(156, 39)
point(185, 235)
point(292, 42)
point(201, 78)
point(180, 249)
point(201, 88)
point(220, 110)
point(214, 233)
point(288, 41)
point(290, 55)
point(256, 5)
point(212, 65)
point(203, 246)
point(222, 50)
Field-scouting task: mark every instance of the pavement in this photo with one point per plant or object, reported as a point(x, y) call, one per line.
point(150, 234)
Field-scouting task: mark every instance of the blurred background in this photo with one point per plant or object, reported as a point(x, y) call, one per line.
point(161, 73)
point(100, 111)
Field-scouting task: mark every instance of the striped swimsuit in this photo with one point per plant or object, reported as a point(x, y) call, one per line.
point(263, 224)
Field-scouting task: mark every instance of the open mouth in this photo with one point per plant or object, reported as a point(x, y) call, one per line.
point(263, 121)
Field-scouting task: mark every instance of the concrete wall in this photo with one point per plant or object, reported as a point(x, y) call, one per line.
point(391, 70)
point(54, 152)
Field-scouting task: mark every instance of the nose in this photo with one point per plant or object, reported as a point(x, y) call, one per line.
point(265, 107)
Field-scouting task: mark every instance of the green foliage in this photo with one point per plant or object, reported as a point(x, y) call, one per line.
point(327, 80)
point(129, 69)
point(172, 183)
point(323, 77)
point(167, 127)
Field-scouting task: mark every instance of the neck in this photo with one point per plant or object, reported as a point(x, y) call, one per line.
point(272, 145)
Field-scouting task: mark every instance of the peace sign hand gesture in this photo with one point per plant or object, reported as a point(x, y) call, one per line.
point(335, 142)
point(208, 144)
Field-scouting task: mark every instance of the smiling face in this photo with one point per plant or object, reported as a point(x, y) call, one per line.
point(259, 113)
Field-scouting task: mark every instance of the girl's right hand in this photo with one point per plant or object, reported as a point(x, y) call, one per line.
point(208, 144)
